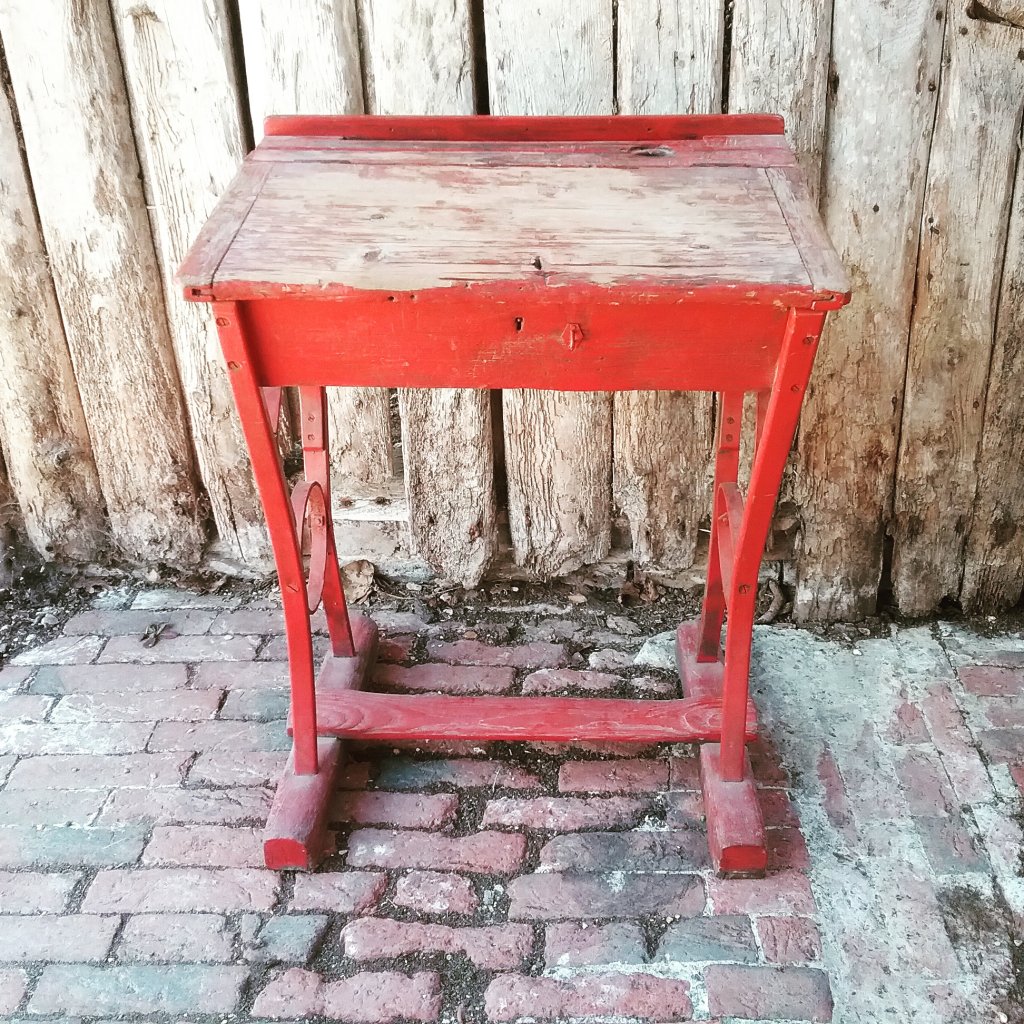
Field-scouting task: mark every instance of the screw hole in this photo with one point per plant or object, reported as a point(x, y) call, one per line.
point(537, 263)
point(519, 323)
point(391, 298)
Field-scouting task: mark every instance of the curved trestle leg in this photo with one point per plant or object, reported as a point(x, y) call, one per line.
point(739, 531)
point(296, 833)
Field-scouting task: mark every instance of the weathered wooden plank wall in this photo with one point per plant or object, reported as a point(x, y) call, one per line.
point(116, 428)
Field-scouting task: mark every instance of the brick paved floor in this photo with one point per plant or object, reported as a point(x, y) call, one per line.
point(496, 884)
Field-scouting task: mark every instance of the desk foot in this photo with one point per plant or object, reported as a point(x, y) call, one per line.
point(736, 838)
point(296, 833)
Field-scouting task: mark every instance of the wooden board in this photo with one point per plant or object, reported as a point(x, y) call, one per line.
point(303, 57)
point(956, 301)
point(42, 426)
point(74, 114)
point(553, 58)
point(669, 60)
point(994, 561)
point(420, 60)
point(323, 227)
point(391, 716)
point(188, 132)
point(874, 185)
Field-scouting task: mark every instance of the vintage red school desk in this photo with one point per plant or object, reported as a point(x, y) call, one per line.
point(591, 253)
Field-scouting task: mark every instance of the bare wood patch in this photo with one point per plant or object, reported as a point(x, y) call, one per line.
point(74, 114)
point(42, 426)
point(669, 61)
point(420, 61)
point(873, 193)
point(551, 58)
point(967, 205)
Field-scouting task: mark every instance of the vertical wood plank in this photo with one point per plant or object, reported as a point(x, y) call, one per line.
point(779, 64)
point(185, 109)
point(303, 58)
point(42, 426)
point(74, 116)
point(874, 176)
point(546, 57)
point(994, 562)
point(419, 57)
point(669, 57)
point(967, 203)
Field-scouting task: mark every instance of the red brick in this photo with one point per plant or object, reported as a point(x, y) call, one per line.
point(835, 801)
point(398, 622)
point(12, 677)
point(991, 681)
point(261, 705)
point(949, 846)
point(219, 846)
point(1002, 744)
point(97, 771)
point(180, 648)
point(349, 892)
point(34, 892)
point(226, 675)
point(437, 678)
point(619, 894)
point(489, 853)
point(13, 984)
point(1003, 712)
point(561, 680)
point(496, 948)
point(797, 993)
point(80, 679)
point(43, 807)
point(88, 738)
point(71, 938)
point(644, 685)
point(777, 809)
point(787, 892)
point(627, 776)
point(787, 850)
point(249, 620)
point(907, 725)
point(565, 813)
point(728, 937)
point(684, 773)
point(179, 938)
point(434, 892)
point(789, 940)
point(238, 768)
point(960, 758)
point(120, 622)
point(461, 773)
point(72, 845)
point(173, 597)
point(65, 650)
point(683, 850)
point(174, 890)
point(276, 649)
point(402, 810)
point(684, 810)
point(187, 806)
point(219, 735)
point(176, 705)
point(1017, 773)
point(474, 652)
point(109, 991)
point(925, 784)
point(514, 996)
point(395, 649)
point(24, 707)
point(579, 944)
point(378, 997)
point(766, 763)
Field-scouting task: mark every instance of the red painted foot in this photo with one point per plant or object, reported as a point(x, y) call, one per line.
point(296, 835)
point(736, 838)
point(296, 832)
point(699, 678)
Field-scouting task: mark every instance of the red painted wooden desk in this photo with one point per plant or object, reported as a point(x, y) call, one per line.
point(566, 253)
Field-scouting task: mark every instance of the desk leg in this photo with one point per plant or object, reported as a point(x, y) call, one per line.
point(738, 536)
point(296, 834)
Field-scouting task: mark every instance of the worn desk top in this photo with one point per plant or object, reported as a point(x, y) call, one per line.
point(315, 211)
